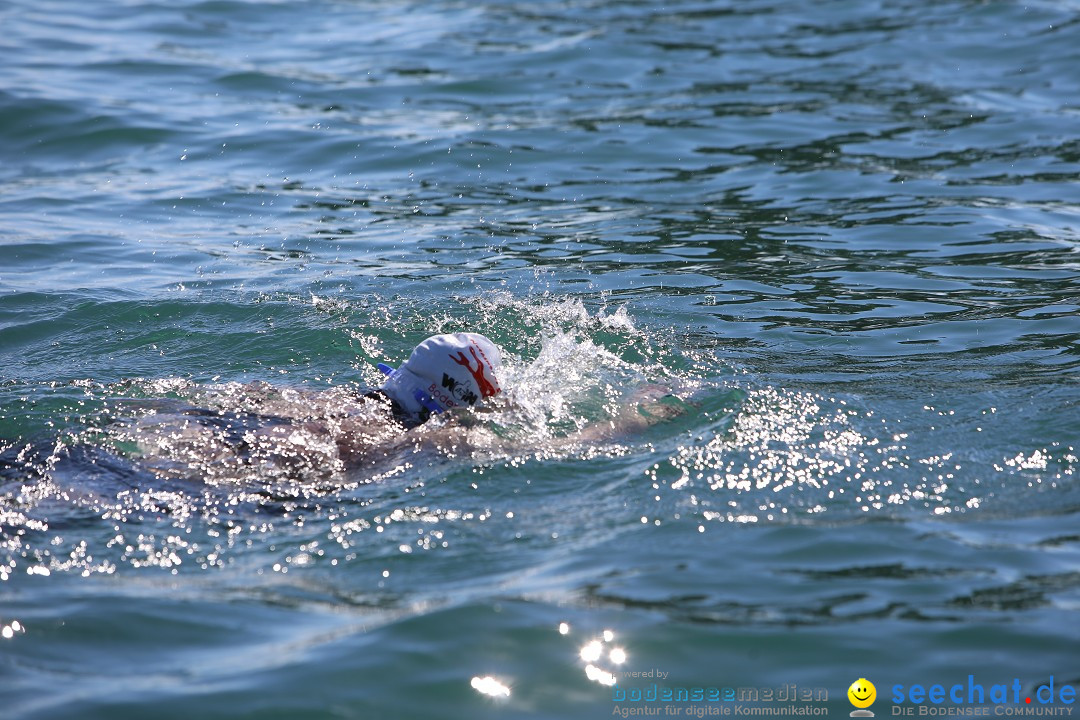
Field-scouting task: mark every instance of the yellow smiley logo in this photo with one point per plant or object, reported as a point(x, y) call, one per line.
point(862, 693)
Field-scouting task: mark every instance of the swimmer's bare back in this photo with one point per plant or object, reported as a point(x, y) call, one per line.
point(259, 430)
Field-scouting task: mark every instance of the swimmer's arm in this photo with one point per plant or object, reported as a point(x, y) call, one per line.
point(651, 405)
point(648, 406)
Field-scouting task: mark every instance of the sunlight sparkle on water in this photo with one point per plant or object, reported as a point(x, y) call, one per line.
point(488, 685)
point(592, 651)
point(599, 675)
point(8, 631)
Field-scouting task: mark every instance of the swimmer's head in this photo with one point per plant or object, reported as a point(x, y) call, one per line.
point(445, 372)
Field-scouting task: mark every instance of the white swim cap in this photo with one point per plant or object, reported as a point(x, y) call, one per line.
point(445, 372)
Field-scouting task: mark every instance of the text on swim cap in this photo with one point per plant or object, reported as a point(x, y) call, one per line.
point(459, 390)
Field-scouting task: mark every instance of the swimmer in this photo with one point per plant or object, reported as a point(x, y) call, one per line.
point(259, 430)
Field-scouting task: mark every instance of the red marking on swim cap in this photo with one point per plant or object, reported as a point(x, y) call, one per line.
point(487, 389)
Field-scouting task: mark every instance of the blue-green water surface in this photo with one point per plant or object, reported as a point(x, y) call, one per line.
point(847, 231)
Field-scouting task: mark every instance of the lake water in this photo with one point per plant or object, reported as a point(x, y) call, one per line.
point(848, 232)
